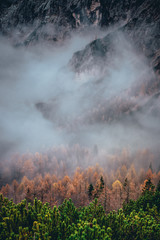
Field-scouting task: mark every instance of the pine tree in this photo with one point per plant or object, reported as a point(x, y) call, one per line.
point(90, 191)
point(158, 187)
point(149, 187)
point(101, 183)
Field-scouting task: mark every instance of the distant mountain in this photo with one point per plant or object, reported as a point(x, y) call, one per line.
point(54, 20)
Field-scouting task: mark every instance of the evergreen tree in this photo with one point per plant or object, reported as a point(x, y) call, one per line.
point(149, 187)
point(90, 191)
point(158, 187)
point(101, 183)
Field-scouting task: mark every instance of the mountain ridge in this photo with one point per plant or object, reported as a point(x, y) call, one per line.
point(29, 22)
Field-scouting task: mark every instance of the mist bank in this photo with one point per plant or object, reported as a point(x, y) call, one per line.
point(44, 102)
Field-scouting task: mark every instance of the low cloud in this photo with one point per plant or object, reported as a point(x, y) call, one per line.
point(43, 103)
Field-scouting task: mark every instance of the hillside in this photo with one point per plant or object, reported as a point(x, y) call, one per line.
point(79, 119)
point(137, 220)
point(79, 98)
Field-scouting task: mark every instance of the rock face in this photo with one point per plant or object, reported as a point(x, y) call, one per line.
point(141, 21)
point(140, 18)
point(61, 16)
point(53, 20)
point(141, 24)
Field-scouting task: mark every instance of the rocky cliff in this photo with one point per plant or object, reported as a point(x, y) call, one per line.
point(27, 21)
point(53, 20)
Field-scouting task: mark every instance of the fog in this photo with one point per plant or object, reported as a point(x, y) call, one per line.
point(44, 103)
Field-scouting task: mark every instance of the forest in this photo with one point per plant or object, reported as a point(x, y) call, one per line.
point(78, 173)
point(46, 196)
point(138, 219)
point(79, 120)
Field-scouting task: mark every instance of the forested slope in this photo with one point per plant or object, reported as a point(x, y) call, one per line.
point(53, 176)
point(137, 220)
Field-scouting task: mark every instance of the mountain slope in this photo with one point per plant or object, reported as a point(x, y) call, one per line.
point(121, 69)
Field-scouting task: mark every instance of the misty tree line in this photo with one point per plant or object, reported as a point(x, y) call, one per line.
point(52, 177)
point(48, 200)
point(63, 160)
point(138, 219)
point(83, 187)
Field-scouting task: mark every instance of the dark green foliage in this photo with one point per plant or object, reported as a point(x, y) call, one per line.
point(101, 183)
point(90, 191)
point(25, 221)
point(158, 187)
point(148, 200)
point(149, 187)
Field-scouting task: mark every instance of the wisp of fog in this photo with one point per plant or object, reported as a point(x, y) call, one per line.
point(44, 103)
